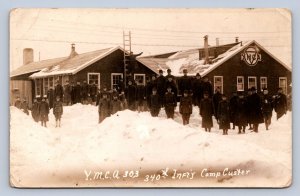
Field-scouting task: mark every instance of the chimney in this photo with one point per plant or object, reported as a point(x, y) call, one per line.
point(27, 56)
point(236, 39)
point(206, 61)
point(73, 52)
point(217, 42)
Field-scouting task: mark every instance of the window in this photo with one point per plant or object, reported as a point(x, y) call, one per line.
point(115, 79)
point(218, 82)
point(94, 77)
point(252, 82)
point(38, 87)
point(283, 84)
point(263, 83)
point(46, 85)
point(138, 77)
point(240, 83)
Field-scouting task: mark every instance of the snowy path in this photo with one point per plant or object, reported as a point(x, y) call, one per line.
point(45, 157)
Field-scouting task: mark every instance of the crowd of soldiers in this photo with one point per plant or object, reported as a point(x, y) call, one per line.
point(161, 92)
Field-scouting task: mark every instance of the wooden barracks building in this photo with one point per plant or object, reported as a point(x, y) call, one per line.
point(232, 67)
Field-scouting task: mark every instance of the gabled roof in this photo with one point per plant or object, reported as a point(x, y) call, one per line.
point(35, 66)
point(74, 64)
point(189, 59)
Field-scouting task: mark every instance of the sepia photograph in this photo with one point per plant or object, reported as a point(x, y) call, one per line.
point(150, 98)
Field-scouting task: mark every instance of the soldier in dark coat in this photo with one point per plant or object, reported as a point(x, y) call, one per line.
point(131, 96)
point(104, 107)
point(35, 110)
point(171, 83)
point(93, 92)
point(141, 96)
point(197, 90)
point(255, 112)
point(161, 82)
point(206, 112)
point(224, 115)
point(186, 107)
point(57, 111)
point(241, 113)
point(77, 93)
point(18, 103)
point(84, 92)
point(169, 75)
point(101, 93)
point(44, 111)
point(217, 97)
point(207, 87)
point(67, 93)
point(248, 108)
point(184, 83)
point(280, 104)
point(50, 97)
point(232, 106)
point(24, 107)
point(170, 102)
point(267, 108)
point(115, 104)
point(121, 86)
point(72, 93)
point(155, 104)
point(149, 86)
point(58, 90)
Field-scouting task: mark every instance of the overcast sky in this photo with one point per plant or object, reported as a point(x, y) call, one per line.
point(50, 32)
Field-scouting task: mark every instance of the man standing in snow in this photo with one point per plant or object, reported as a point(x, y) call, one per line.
point(115, 104)
point(241, 113)
point(77, 93)
point(267, 107)
point(184, 83)
point(149, 86)
point(280, 104)
point(141, 96)
point(24, 107)
point(44, 111)
point(206, 112)
point(35, 110)
point(171, 83)
point(170, 102)
point(217, 97)
point(223, 114)
point(197, 90)
point(67, 93)
point(18, 103)
point(50, 97)
point(255, 112)
point(161, 82)
point(84, 92)
point(131, 95)
point(155, 104)
point(186, 107)
point(104, 108)
point(58, 90)
point(232, 107)
point(206, 86)
point(93, 92)
point(57, 111)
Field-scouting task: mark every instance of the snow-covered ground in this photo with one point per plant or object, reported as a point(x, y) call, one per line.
point(77, 153)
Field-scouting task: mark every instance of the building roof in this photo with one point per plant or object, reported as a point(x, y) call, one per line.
point(189, 59)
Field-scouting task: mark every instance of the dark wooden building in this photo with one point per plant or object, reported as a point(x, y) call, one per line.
point(104, 67)
point(231, 67)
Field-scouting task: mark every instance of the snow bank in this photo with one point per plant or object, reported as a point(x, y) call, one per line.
point(131, 140)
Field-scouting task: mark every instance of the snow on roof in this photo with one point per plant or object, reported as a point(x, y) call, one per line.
point(35, 66)
point(189, 59)
point(74, 64)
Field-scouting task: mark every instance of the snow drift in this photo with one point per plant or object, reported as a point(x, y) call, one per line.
point(45, 157)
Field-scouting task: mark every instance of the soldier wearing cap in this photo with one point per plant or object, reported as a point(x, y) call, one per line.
point(155, 104)
point(206, 112)
point(161, 82)
point(170, 102)
point(267, 107)
point(169, 75)
point(207, 86)
point(58, 90)
point(280, 103)
point(241, 113)
point(197, 90)
point(184, 83)
point(255, 113)
point(186, 107)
